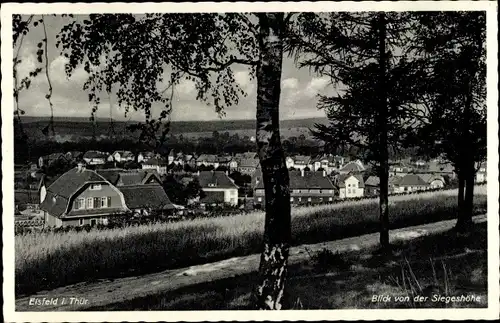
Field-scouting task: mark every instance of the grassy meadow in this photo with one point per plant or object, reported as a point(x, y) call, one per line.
point(49, 260)
point(443, 264)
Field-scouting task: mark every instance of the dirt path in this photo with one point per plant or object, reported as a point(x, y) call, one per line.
point(107, 292)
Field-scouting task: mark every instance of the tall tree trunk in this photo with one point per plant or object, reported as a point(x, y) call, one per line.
point(461, 194)
point(464, 221)
point(383, 140)
point(277, 231)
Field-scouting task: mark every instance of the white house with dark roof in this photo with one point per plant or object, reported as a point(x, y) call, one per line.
point(350, 185)
point(305, 188)
point(299, 162)
point(329, 163)
point(411, 183)
point(481, 174)
point(434, 181)
point(218, 188)
point(145, 156)
point(121, 156)
point(158, 164)
point(93, 157)
point(82, 196)
point(207, 160)
point(248, 166)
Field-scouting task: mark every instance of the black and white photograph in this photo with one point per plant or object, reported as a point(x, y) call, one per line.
point(227, 157)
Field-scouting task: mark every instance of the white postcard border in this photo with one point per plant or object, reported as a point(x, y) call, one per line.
point(491, 312)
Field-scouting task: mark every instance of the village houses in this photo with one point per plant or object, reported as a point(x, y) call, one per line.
point(93, 157)
point(299, 162)
point(158, 164)
point(121, 156)
point(350, 185)
point(329, 163)
point(82, 196)
point(306, 187)
point(218, 188)
point(355, 166)
point(145, 156)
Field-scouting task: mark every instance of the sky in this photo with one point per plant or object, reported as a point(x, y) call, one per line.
point(299, 89)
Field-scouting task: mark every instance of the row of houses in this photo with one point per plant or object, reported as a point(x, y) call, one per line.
point(84, 196)
point(95, 157)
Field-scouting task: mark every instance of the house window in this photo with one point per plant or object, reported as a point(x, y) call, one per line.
point(330, 199)
point(308, 199)
point(300, 199)
point(104, 202)
point(349, 191)
point(93, 222)
point(90, 203)
point(211, 184)
point(97, 202)
point(80, 222)
point(95, 187)
point(80, 203)
point(321, 199)
point(291, 199)
point(259, 199)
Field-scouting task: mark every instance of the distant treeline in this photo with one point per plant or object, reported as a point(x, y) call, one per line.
point(84, 127)
point(218, 143)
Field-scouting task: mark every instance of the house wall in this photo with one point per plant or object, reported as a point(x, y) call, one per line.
point(230, 194)
point(105, 191)
point(480, 177)
point(246, 170)
point(351, 189)
point(43, 193)
point(302, 196)
point(160, 169)
point(85, 221)
point(409, 188)
point(51, 221)
point(371, 190)
point(437, 183)
point(233, 164)
point(95, 161)
point(302, 166)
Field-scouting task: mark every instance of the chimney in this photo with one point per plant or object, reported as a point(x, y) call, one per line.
point(302, 172)
point(324, 173)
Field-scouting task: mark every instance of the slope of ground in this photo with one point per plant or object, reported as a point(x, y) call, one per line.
point(53, 259)
point(315, 282)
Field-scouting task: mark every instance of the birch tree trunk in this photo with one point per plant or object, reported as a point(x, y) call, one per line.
point(383, 140)
point(277, 231)
point(464, 220)
point(461, 194)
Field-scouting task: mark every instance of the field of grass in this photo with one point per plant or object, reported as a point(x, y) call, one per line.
point(442, 264)
point(49, 260)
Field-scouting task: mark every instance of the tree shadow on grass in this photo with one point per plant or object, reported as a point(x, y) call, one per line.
point(458, 267)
